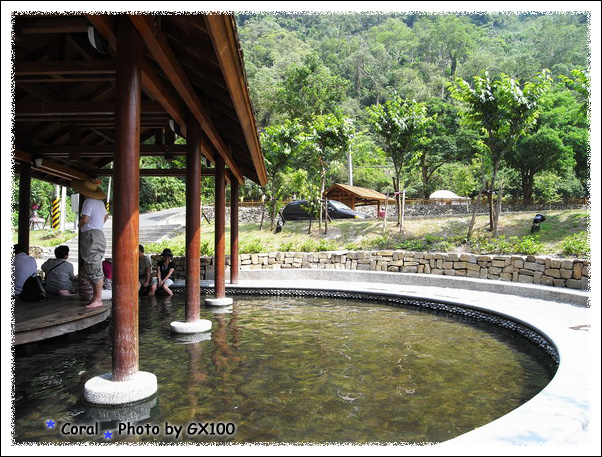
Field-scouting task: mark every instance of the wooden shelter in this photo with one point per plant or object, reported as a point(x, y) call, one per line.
point(353, 196)
point(95, 92)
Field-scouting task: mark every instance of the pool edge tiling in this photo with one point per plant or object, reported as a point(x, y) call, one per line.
point(558, 416)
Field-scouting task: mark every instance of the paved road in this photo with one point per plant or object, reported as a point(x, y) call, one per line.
point(168, 218)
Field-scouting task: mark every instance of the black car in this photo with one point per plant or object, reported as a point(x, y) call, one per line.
point(297, 210)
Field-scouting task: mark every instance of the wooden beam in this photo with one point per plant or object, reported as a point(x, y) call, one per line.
point(153, 84)
point(54, 24)
point(104, 150)
point(148, 172)
point(167, 60)
point(230, 58)
point(50, 167)
point(51, 109)
point(61, 67)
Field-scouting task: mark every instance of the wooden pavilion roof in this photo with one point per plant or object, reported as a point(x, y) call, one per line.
point(64, 92)
point(358, 195)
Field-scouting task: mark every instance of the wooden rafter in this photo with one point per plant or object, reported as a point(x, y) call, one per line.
point(162, 52)
point(230, 62)
point(50, 167)
point(104, 151)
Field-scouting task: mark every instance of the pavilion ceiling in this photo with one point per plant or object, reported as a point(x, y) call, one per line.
point(64, 93)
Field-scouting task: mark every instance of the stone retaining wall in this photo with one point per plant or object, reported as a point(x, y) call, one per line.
point(571, 273)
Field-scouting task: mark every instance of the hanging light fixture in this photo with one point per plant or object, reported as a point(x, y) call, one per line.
point(97, 41)
point(175, 128)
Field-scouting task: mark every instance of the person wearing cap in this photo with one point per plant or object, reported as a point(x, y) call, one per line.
point(145, 285)
point(165, 269)
point(93, 243)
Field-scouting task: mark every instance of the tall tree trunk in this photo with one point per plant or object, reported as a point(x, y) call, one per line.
point(498, 210)
point(425, 178)
point(262, 215)
point(385, 218)
point(396, 186)
point(475, 210)
point(490, 205)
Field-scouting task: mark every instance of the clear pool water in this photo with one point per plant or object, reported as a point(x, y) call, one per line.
point(286, 370)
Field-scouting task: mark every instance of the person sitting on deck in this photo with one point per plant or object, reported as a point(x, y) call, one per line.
point(60, 279)
point(165, 269)
point(107, 271)
point(145, 285)
point(24, 266)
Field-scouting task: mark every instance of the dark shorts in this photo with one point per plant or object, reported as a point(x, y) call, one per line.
point(144, 290)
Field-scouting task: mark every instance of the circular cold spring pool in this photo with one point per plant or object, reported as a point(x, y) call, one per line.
point(284, 369)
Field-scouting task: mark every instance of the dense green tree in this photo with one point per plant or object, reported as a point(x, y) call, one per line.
point(503, 111)
point(269, 50)
point(540, 151)
point(445, 141)
point(311, 89)
point(444, 42)
point(279, 144)
point(161, 192)
point(400, 124)
point(409, 54)
point(328, 140)
point(581, 84)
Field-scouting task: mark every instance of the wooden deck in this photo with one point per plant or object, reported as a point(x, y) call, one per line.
point(55, 316)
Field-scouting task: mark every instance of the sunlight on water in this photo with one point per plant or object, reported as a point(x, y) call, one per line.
point(287, 370)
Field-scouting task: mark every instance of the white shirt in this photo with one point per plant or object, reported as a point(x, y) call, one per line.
point(96, 210)
point(24, 266)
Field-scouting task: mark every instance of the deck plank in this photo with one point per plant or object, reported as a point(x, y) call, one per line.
point(55, 316)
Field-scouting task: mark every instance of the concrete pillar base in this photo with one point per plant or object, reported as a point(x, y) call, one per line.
point(188, 338)
point(226, 301)
point(202, 325)
point(102, 390)
point(133, 412)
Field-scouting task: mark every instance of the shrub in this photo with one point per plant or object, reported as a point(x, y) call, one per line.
point(577, 245)
point(529, 245)
point(289, 246)
point(253, 247)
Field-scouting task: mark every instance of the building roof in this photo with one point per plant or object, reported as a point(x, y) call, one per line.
point(64, 92)
point(369, 195)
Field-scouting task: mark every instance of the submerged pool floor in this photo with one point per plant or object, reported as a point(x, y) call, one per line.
point(287, 370)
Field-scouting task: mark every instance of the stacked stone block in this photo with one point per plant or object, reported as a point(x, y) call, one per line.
point(571, 273)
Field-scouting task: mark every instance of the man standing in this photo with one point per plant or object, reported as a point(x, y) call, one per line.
point(24, 266)
point(93, 242)
point(145, 285)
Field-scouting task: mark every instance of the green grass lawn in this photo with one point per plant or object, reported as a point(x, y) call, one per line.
point(563, 234)
point(47, 238)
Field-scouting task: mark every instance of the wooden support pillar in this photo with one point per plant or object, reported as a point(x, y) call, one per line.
point(220, 228)
point(233, 231)
point(193, 220)
point(24, 204)
point(126, 201)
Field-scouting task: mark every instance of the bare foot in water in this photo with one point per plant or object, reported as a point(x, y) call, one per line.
point(95, 304)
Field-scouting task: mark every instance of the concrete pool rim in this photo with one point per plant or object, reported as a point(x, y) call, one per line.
point(558, 416)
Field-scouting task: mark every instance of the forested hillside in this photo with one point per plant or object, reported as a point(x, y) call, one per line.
point(490, 104)
point(388, 96)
